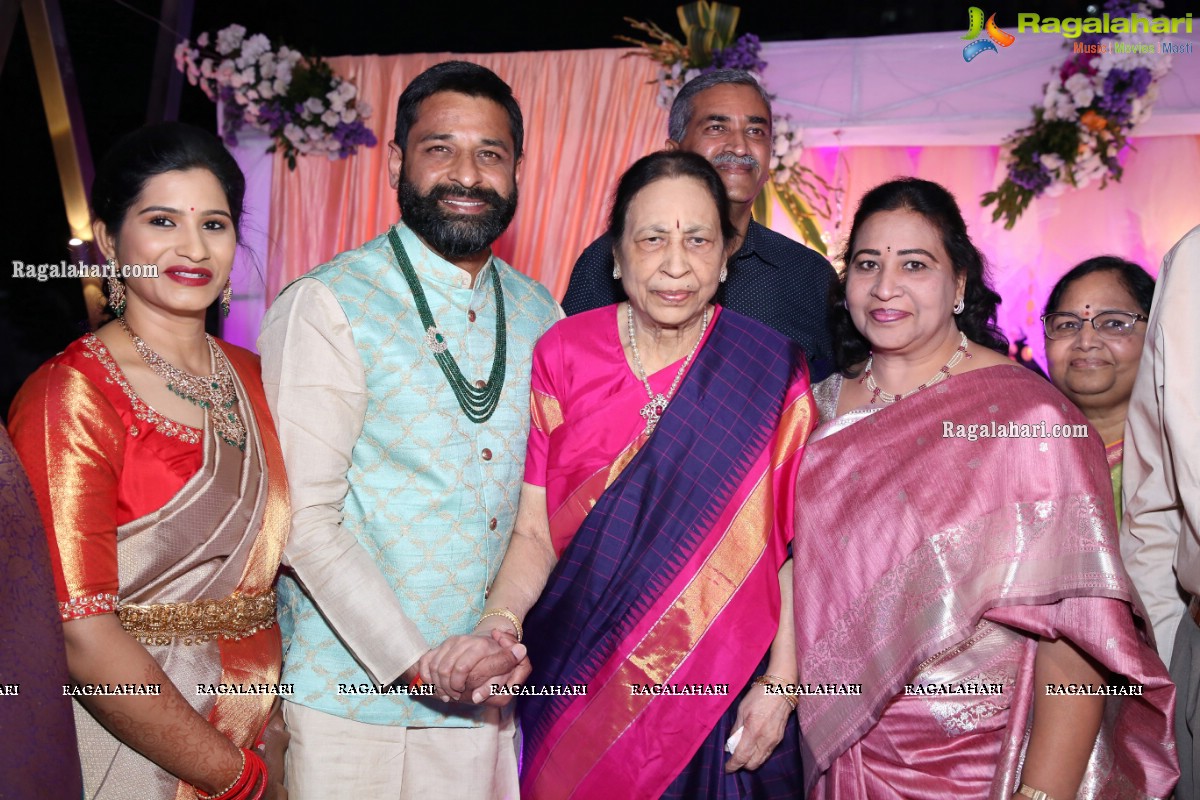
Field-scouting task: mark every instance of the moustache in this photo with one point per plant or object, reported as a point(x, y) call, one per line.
point(735, 160)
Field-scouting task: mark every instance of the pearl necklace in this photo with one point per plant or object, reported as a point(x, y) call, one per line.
point(215, 393)
point(878, 395)
point(652, 412)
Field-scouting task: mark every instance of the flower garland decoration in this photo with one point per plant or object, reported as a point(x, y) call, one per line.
point(297, 100)
point(708, 31)
point(1091, 105)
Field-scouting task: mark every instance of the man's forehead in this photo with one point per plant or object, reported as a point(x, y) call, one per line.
point(730, 100)
point(451, 115)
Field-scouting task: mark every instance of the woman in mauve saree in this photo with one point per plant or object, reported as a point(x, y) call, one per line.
point(960, 569)
point(162, 491)
point(650, 544)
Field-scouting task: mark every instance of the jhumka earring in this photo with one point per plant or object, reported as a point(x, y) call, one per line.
point(616, 271)
point(724, 274)
point(226, 297)
point(116, 289)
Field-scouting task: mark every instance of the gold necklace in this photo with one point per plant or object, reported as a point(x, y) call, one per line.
point(878, 395)
point(215, 393)
point(652, 412)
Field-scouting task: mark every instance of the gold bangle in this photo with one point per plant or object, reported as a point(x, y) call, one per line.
point(508, 615)
point(775, 680)
point(1026, 790)
point(241, 772)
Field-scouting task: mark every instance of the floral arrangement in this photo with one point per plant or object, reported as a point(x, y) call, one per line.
point(298, 101)
point(708, 44)
point(1093, 102)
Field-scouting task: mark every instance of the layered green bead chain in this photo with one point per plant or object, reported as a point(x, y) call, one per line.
point(477, 404)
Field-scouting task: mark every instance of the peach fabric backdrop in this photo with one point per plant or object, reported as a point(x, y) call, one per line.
point(588, 115)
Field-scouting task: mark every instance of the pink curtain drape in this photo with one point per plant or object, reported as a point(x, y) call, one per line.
point(588, 115)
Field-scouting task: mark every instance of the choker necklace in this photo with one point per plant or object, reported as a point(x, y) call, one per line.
point(477, 404)
point(653, 411)
point(215, 393)
point(878, 395)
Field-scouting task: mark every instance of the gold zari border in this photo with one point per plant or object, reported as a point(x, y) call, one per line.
point(234, 617)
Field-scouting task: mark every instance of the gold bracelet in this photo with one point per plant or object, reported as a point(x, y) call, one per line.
point(241, 772)
point(775, 680)
point(1026, 790)
point(508, 615)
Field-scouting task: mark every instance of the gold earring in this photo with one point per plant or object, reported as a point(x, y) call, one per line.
point(226, 297)
point(116, 289)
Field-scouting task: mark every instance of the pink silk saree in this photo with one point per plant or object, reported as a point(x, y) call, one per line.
point(938, 560)
point(670, 548)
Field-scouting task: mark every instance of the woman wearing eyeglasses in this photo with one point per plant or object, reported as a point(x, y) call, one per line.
point(1095, 324)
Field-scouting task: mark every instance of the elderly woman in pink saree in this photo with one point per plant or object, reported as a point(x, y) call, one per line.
point(968, 583)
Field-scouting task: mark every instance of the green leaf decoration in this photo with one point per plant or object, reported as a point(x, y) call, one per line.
point(707, 26)
point(801, 215)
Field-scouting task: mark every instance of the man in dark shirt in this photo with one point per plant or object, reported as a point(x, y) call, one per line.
point(725, 116)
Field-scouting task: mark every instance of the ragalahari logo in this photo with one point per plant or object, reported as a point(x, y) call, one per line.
point(995, 36)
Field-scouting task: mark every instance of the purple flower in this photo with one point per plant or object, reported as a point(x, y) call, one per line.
point(350, 135)
point(1033, 176)
point(742, 54)
point(1120, 89)
point(1121, 8)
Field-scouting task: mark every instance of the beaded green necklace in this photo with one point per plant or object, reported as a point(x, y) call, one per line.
point(477, 404)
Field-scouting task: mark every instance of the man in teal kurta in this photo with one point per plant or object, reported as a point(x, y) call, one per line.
point(398, 375)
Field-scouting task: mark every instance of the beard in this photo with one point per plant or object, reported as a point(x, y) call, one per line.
point(455, 235)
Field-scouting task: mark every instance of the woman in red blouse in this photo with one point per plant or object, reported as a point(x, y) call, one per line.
point(160, 482)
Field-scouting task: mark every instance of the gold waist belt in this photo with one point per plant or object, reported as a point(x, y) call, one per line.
point(234, 617)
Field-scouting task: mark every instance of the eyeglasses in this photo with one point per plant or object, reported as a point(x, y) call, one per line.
point(1109, 324)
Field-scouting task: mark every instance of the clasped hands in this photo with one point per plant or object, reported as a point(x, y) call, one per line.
point(463, 668)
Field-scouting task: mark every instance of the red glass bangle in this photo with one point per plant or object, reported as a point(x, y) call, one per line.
point(250, 784)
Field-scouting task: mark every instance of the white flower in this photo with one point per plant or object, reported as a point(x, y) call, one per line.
point(229, 39)
point(280, 86)
point(283, 72)
point(202, 39)
point(206, 68)
point(331, 118)
point(255, 46)
point(775, 163)
point(349, 115)
point(181, 55)
point(265, 90)
point(791, 157)
point(364, 109)
point(780, 125)
point(240, 98)
point(1081, 89)
point(782, 145)
point(1051, 161)
point(315, 132)
point(293, 132)
point(335, 101)
point(313, 105)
